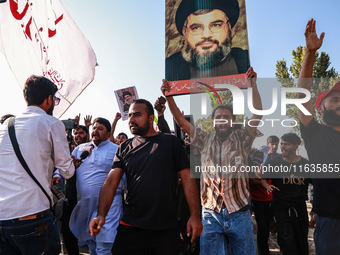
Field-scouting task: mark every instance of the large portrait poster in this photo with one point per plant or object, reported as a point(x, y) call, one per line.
point(124, 99)
point(206, 41)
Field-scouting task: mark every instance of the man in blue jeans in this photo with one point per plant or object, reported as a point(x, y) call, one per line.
point(27, 226)
point(225, 215)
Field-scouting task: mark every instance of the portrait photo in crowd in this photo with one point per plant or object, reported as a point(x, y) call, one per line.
point(124, 99)
point(206, 41)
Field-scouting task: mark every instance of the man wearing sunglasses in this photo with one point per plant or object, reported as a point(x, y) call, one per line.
point(207, 41)
point(26, 223)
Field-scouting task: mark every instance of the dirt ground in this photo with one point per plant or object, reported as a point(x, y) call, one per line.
point(273, 246)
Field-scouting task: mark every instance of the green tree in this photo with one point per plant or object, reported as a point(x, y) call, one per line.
point(326, 77)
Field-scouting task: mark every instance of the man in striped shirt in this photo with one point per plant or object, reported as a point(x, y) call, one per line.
point(224, 187)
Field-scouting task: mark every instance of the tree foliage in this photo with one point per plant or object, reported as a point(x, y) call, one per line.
point(325, 77)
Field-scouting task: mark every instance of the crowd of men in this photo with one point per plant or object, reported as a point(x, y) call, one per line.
point(124, 193)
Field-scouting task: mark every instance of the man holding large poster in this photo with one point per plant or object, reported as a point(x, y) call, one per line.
point(226, 217)
point(206, 29)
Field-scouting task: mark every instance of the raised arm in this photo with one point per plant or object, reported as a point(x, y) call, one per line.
point(162, 124)
point(176, 113)
point(113, 127)
point(313, 43)
point(257, 103)
point(107, 193)
point(194, 225)
point(88, 121)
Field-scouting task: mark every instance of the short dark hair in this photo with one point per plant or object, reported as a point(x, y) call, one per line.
point(231, 9)
point(291, 138)
point(122, 133)
point(84, 128)
point(227, 107)
point(125, 93)
point(104, 122)
point(273, 139)
point(37, 89)
point(149, 107)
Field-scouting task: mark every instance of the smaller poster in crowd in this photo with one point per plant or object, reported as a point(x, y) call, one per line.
point(124, 99)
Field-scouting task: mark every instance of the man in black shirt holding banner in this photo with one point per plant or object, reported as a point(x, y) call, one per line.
point(322, 143)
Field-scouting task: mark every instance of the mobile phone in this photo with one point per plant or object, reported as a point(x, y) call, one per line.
point(70, 123)
point(161, 100)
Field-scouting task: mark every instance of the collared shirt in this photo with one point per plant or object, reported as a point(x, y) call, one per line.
point(93, 171)
point(216, 188)
point(43, 144)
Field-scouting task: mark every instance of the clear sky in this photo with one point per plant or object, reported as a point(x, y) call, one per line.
point(128, 39)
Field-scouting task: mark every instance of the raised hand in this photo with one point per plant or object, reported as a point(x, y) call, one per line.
point(160, 106)
point(87, 120)
point(313, 42)
point(252, 76)
point(77, 118)
point(118, 116)
point(165, 86)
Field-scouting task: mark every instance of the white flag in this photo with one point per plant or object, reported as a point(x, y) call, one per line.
point(40, 37)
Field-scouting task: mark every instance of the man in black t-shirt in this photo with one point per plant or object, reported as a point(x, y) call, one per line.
point(322, 143)
point(151, 162)
point(289, 195)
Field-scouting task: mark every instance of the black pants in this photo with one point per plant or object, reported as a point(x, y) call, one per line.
point(263, 215)
point(70, 241)
point(183, 215)
point(326, 236)
point(292, 230)
point(137, 241)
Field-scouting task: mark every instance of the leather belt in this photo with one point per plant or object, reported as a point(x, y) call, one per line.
point(34, 216)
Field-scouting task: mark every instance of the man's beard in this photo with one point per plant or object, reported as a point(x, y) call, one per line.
point(141, 130)
point(50, 111)
point(205, 61)
point(330, 117)
point(80, 141)
point(223, 134)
